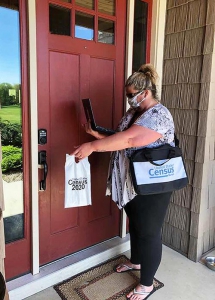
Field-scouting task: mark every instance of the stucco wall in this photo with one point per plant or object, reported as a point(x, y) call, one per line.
point(187, 90)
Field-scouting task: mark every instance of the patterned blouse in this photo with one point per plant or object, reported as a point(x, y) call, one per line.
point(119, 184)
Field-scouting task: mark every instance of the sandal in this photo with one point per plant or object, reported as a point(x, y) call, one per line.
point(127, 268)
point(147, 294)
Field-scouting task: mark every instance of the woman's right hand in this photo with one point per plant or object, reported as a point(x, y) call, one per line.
point(87, 127)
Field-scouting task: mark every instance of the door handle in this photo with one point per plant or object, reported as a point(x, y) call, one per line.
point(42, 161)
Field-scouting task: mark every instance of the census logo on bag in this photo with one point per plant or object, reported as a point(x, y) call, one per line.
point(77, 182)
point(152, 174)
point(164, 173)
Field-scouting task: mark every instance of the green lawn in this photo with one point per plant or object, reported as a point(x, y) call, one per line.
point(11, 113)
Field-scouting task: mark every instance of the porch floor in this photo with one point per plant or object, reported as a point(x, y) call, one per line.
point(183, 279)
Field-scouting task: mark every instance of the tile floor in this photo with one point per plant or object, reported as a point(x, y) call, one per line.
point(183, 279)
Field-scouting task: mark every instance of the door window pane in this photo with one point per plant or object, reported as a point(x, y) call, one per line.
point(107, 7)
point(106, 31)
point(59, 20)
point(11, 120)
point(140, 34)
point(84, 26)
point(87, 3)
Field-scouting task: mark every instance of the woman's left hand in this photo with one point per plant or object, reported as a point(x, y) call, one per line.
point(83, 151)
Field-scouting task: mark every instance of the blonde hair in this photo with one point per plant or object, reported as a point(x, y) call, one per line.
point(144, 79)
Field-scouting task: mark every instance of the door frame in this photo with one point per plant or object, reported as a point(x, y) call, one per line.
point(156, 58)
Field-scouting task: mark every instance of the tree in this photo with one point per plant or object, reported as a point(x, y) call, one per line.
point(5, 99)
point(11, 133)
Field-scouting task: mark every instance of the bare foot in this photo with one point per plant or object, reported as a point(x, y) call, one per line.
point(128, 266)
point(140, 292)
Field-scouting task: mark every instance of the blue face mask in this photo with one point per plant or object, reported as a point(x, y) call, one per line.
point(133, 101)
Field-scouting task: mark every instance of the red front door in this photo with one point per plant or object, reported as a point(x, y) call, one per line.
point(81, 50)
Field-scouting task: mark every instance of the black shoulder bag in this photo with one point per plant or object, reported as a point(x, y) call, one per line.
point(158, 170)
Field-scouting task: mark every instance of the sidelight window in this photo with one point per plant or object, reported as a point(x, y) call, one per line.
point(11, 120)
point(140, 39)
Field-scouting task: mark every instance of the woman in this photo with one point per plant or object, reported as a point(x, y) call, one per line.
point(146, 123)
point(2, 287)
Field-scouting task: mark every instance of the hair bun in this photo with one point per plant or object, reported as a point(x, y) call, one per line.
point(149, 71)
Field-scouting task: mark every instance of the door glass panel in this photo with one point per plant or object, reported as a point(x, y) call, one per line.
point(107, 7)
point(87, 3)
point(106, 31)
point(140, 34)
point(11, 120)
point(84, 26)
point(59, 20)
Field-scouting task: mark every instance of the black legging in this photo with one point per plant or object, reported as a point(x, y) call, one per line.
point(146, 215)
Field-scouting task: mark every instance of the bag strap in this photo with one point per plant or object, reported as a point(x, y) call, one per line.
point(158, 165)
point(176, 140)
point(170, 155)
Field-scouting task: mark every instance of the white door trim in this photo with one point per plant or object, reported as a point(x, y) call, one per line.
point(128, 71)
point(34, 127)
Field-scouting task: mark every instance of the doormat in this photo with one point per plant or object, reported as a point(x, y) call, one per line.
point(101, 283)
